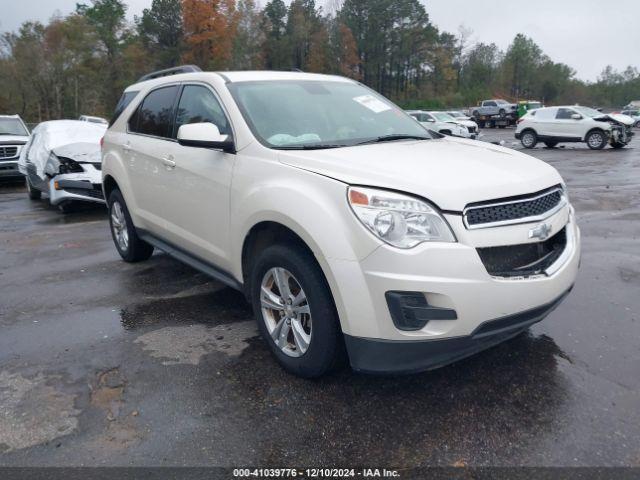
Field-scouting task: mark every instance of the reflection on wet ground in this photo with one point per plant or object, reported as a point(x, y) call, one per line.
point(155, 364)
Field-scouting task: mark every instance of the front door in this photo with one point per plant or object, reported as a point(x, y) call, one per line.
point(197, 182)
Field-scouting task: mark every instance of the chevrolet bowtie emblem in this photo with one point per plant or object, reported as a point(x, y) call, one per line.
point(542, 231)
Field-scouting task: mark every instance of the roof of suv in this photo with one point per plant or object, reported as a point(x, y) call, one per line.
point(243, 76)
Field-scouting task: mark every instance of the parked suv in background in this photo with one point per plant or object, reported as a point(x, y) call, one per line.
point(13, 136)
point(553, 125)
point(635, 114)
point(350, 228)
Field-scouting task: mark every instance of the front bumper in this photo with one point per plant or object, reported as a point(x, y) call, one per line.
point(85, 187)
point(388, 356)
point(451, 276)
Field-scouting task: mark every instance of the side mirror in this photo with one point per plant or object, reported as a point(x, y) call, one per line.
point(431, 120)
point(576, 116)
point(205, 135)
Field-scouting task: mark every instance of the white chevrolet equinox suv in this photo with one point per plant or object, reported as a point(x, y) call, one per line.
point(354, 232)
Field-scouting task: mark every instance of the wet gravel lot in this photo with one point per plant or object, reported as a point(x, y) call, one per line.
point(106, 363)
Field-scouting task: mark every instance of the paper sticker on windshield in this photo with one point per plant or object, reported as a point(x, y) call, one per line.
point(372, 103)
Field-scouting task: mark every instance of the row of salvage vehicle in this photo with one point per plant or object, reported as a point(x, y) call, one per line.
point(62, 158)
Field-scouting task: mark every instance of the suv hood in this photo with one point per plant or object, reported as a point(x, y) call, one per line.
point(617, 118)
point(13, 139)
point(449, 172)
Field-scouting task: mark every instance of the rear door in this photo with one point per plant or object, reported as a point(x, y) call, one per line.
point(196, 189)
point(150, 137)
point(544, 122)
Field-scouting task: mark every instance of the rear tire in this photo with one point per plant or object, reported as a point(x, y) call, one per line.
point(596, 140)
point(130, 247)
point(529, 139)
point(280, 317)
point(551, 144)
point(34, 193)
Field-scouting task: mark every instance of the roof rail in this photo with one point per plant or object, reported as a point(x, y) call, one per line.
point(170, 71)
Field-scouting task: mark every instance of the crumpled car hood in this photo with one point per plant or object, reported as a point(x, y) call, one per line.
point(450, 172)
point(616, 117)
point(82, 152)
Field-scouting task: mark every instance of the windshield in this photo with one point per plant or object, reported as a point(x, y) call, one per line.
point(304, 113)
point(588, 112)
point(443, 117)
point(12, 126)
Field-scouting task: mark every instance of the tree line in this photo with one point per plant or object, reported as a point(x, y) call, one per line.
point(80, 63)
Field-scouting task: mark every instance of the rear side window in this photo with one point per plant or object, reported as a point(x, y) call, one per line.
point(155, 114)
point(123, 103)
point(199, 105)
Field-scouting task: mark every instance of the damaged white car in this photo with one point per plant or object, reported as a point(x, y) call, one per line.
point(63, 161)
point(553, 125)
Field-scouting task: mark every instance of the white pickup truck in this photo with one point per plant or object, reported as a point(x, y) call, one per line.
point(488, 108)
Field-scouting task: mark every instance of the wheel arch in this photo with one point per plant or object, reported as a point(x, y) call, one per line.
point(269, 232)
point(595, 129)
point(109, 184)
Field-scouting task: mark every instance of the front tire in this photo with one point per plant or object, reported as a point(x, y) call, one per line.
point(295, 311)
point(130, 247)
point(32, 192)
point(529, 139)
point(596, 140)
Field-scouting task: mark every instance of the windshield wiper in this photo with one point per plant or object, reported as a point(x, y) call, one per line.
point(393, 137)
point(310, 146)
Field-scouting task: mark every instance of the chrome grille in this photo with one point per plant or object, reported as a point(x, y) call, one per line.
point(8, 152)
point(516, 210)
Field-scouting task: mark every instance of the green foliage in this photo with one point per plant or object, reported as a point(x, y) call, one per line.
point(79, 64)
point(160, 30)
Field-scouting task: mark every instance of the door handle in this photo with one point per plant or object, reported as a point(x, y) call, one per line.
point(169, 163)
point(126, 147)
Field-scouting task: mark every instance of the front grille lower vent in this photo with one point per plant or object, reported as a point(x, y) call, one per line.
point(525, 259)
point(8, 152)
point(480, 215)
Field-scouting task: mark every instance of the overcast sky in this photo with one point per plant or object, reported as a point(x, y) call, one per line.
point(585, 34)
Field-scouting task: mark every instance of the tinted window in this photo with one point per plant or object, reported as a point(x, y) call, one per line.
point(490, 104)
point(154, 116)
point(199, 105)
point(564, 114)
point(123, 103)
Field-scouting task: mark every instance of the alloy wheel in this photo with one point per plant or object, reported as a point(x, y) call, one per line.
point(286, 311)
point(595, 140)
point(119, 226)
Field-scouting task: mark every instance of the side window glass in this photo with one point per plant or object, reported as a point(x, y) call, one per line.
point(564, 114)
point(154, 116)
point(199, 105)
point(492, 104)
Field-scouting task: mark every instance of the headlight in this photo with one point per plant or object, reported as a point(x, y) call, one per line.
point(68, 165)
point(399, 220)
